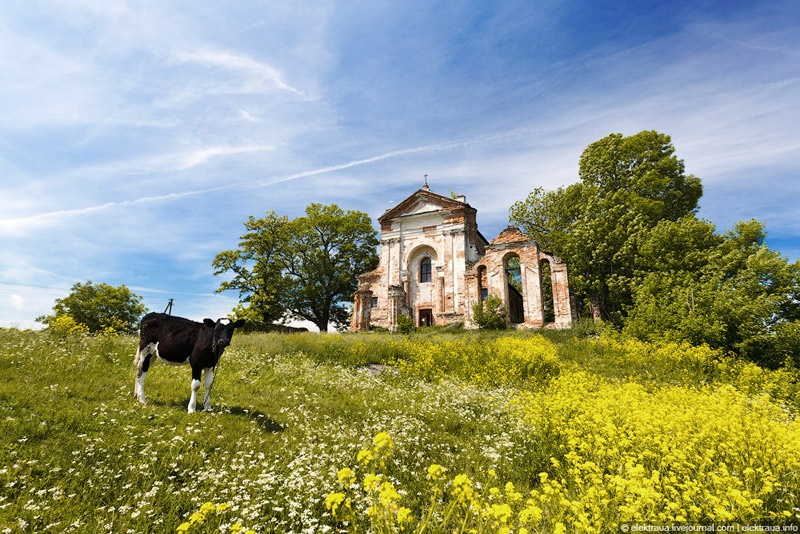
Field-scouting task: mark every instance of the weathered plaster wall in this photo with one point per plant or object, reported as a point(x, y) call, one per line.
point(445, 230)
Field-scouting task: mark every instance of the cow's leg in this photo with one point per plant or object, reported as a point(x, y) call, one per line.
point(195, 387)
point(136, 385)
point(143, 358)
point(208, 377)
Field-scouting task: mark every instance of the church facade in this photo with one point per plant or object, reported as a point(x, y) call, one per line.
point(435, 265)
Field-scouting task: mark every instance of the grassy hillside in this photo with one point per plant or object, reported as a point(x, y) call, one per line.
point(435, 432)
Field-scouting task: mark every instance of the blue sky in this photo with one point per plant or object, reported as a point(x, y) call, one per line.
point(136, 137)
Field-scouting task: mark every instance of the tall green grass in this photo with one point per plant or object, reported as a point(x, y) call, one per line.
point(291, 411)
point(469, 355)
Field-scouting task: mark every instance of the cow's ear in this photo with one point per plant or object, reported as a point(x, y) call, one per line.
point(209, 323)
point(239, 323)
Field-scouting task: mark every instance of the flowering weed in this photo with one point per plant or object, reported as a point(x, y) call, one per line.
point(493, 434)
point(625, 452)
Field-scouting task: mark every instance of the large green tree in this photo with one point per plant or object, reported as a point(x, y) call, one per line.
point(304, 268)
point(728, 291)
point(627, 186)
point(257, 268)
point(97, 308)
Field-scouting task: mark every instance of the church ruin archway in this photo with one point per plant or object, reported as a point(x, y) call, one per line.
point(532, 283)
point(514, 291)
point(548, 305)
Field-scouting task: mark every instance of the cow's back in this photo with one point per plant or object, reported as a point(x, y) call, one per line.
point(176, 337)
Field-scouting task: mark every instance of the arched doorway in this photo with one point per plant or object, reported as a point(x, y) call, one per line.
point(548, 305)
point(425, 317)
point(515, 300)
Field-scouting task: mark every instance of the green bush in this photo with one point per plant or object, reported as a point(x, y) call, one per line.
point(405, 324)
point(490, 314)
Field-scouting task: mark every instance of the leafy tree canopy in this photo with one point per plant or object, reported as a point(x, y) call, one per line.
point(627, 185)
point(304, 268)
point(638, 255)
point(97, 308)
point(730, 291)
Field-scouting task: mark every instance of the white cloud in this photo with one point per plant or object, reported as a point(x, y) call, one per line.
point(260, 76)
point(137, 138)
point(198, 157)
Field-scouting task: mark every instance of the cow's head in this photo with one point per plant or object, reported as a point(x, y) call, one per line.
point(223, 333)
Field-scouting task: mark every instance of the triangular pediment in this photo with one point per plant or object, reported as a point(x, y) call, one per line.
point(422, 201)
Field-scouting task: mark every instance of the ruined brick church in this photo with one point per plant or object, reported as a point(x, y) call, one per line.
point(435, 264)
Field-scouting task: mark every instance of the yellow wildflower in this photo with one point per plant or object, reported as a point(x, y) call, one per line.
point(531, 514)
point(346, 477)
point(512, 494)
point(371, 482)
point(404, 515)
point(333, 501)
point(364, 457)
point(498, 513)
point(462, 489)
point(388, 495)
point(436, 472)
point(382, 440)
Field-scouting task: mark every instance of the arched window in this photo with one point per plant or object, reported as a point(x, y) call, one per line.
point(425, 270)
point(483, 286)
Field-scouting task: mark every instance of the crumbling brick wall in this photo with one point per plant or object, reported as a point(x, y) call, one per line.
point(491, 273)
point(463, 267)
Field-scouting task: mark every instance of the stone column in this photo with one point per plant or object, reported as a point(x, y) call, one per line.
point(562, 305)
point(440, 298)
point(362, 308)
point(532, 282)
point(397, 298)
point(404, 287)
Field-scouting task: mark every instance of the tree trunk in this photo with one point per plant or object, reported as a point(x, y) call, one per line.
point(322, 322)
point(597, 307)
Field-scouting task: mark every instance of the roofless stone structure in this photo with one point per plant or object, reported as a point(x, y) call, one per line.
point(435, 264)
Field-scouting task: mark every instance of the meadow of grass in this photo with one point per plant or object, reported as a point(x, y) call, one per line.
point(431, 432)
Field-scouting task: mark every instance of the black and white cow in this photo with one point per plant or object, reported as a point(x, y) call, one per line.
point(179, 341)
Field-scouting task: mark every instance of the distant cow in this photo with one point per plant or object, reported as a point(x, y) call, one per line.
point(179, 341)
